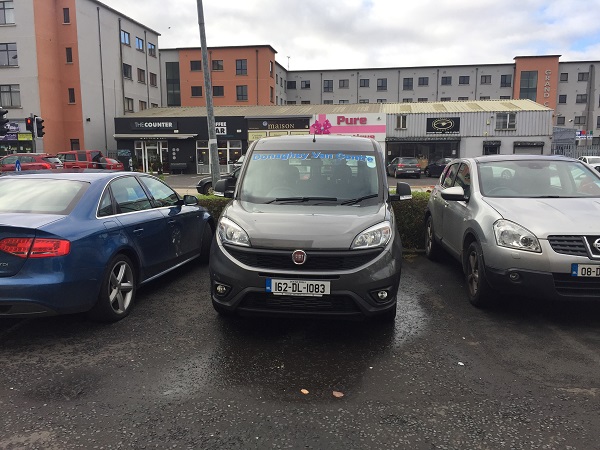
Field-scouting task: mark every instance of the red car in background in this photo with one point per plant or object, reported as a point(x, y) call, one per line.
point(28, 161)
point(88, 159)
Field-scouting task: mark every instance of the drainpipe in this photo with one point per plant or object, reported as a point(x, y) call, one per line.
point(102, 79)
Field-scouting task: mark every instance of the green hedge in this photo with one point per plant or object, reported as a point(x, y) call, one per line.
point(409, 216)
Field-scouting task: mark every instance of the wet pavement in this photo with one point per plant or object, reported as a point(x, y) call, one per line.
point(174, 374)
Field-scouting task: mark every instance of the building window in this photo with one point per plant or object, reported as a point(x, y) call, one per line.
point(241, 67)
point(8, 55)
point(69, 54)
point(66, 15)
point(7, 13)
point(305, 102)
point(363, 100)
point(464, 99)
point(71, 95)
point(151, 49)
point(328, 102)
point(483, 97)
point(305, 84)
point(583, 76)
point(486, 79)
point(10, 95)
point(241, 93)
point(560, 120)
point(401, 122)
point(579, 120)
point(382, 100)
point(276, 78)
point(506, 121)
point(125, 38)
point(505, 80)
point(143, 105)
point(153, 79)
point(271, 68)
point(75, 144)
point(344, 84)
point(217, 64)
point(173, 85)
point(423, 81)
point(562, 98)
point(128, 104)
point(422, 99)
point(127, 71)
point(407, 100)
point(291, 102)
point(581, 98)
point(196, 91)
point(446, 81)
point(291, 85)
point(218, 91)
point(464, 79)
point(195, 65)
point(344, 102)
point(564, 76)
point(271, 94)
point(153, 105)
point(445, 99)
point(139, 44)
point(141, 76)
point(382, 84)
point(598, 122)
point(364, 82)
point(407, 84)
point(505, 97)
point(529, 85)
point(327, 85)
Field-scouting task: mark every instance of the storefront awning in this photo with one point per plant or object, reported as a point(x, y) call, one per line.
point(154, 136)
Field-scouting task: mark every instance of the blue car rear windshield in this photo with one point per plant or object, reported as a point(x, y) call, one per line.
point(39, 196)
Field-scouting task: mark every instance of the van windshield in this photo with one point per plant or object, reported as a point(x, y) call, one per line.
point(310, 177)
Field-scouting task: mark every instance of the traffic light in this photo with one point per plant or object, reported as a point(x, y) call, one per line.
point(3, 122)
point(39, 125)
point(29, 124)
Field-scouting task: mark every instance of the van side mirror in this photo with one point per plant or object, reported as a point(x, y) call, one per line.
point(403, 192)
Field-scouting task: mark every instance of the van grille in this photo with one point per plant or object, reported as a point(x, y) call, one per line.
point(327, 303)
point(315, 259)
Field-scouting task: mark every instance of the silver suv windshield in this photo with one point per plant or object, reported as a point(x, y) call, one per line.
point(310, 177)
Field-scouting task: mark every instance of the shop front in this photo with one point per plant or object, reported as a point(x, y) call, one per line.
point(276, 126)
point(16, 142)
point(370, 125)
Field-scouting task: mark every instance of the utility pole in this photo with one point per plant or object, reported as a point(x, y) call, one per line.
point(213, 150)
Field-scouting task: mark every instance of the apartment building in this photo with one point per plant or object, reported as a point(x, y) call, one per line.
point(78, 64)
point(244, 75)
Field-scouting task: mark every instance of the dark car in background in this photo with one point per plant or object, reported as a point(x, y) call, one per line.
point(436, 168)
point(204, 185)
point(28, 161)
point(403, 166)
point(85, 241)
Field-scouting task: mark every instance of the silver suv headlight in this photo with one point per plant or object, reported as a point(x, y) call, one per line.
point(376, 236)
point(231, 233)
point(512, 235)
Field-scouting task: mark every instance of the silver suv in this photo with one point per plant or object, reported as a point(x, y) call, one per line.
point(310, 231)
point(519, 224)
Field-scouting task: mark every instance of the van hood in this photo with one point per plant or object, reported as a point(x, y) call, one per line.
point(551, 216)
point(301, 226)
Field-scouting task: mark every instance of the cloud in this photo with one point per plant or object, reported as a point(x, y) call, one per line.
point(337, 34)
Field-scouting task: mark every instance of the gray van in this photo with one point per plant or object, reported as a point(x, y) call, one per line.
point(310, 231)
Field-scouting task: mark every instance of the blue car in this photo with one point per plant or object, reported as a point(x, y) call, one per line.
point(86, 241)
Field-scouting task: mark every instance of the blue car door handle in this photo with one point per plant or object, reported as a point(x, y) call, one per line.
point(138, 230)
point(172, 222)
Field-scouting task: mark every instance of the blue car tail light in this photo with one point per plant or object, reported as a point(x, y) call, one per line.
point(35, 247)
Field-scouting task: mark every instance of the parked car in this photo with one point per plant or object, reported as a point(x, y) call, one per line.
point(326, 244)
point(592, 160)
point(535, 232)
point(204, 186)
point(56, 161)
point(239, 162)
point(436, 168)
point(404, 166)
point(88, 159)
point(86, 241)
point(28, 161)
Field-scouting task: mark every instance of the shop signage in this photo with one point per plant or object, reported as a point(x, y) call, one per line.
point(443, 125)
point(528, 144)
point(147, 125)
point(362, 125)
point(221, 128)
point(9, 137)
point(23, 136)
point(278, 124)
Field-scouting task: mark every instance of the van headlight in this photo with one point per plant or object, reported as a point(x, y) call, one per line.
point(512, 235)
point(231, 233)
point(376, 236)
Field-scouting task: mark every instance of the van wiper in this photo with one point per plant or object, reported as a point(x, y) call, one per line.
point(302, 199)
point(352, 201)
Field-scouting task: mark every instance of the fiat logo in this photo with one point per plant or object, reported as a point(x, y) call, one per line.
point(597, 244)
point(299, 257)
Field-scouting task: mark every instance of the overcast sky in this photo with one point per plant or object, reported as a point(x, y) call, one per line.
point(348, 34)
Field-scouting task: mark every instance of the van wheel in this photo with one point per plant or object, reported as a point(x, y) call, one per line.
point(117, 292)
point(479, 290)
point(432, 248)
